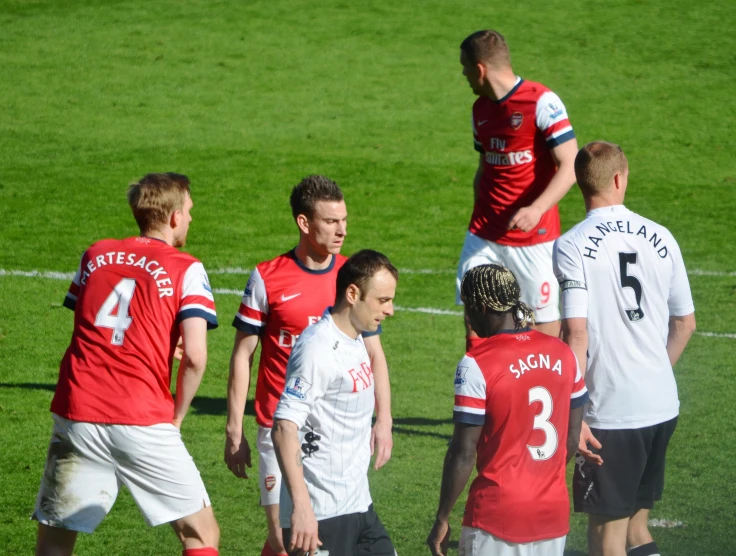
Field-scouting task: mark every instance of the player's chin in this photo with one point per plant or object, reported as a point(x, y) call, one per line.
point(335, 248)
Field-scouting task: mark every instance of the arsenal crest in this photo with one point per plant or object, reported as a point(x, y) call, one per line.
point(270, 482)
point(517, 118)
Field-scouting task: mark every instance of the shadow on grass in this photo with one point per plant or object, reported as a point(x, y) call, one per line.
point(204, 405)
point(29, 386)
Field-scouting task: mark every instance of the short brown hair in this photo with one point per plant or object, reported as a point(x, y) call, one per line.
point(309, 191)
point(359, 269)
point(486, 46)
point(155, 196)
point(596, 164)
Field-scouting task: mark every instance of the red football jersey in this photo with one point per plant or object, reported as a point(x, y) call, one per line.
point(519, 386)
point(515, 135)
point(128, 298)
point(281, 299)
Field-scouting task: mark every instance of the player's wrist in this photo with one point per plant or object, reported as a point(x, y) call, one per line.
point(234, 430)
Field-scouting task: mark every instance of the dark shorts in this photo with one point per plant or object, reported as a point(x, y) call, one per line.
point(352, 535)
point(632, 475)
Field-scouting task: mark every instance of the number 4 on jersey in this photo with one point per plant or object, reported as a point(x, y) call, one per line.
point(120, 321)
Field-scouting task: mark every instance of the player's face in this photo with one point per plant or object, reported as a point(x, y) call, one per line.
point(182, 228)
point(328, 227)
point(377, 303)
point(472, 73)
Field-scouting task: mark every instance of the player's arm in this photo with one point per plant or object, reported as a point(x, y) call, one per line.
point(574, 428)
point(575, 334)
point(458, 466)
point(193, 363)
point(680, 331)
point(527, 218)
point(381, 436)
point(237, 450)
point(304, 527)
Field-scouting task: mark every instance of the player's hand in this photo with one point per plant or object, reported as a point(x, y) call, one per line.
point(586, 437)
point(177, 423)
point(304, 532)
point(526, 219)
point(382, 442)
point(237, 455)
point(439, 538)
point(179, 351)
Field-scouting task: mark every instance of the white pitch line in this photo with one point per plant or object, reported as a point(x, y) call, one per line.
point(38, 274)
point(238, 271)
point(426, 310)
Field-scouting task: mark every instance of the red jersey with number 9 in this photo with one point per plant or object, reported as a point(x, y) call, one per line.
point(128, 297)
point(519, 386)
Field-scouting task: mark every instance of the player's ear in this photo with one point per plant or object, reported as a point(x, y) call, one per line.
point(303, 223)
point(482, 70)
point(352, 294)
point(175, 219)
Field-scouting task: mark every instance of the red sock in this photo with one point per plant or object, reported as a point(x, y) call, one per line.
point(268, 551)
point(206, 551)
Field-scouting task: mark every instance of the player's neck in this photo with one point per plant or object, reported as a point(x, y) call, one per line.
point(312, 259)
point(167, 236)
point(341, 318)
point(500, 84)
point(597, 202)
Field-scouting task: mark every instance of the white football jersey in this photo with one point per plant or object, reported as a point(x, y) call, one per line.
point(329, 394)
point(625, 274)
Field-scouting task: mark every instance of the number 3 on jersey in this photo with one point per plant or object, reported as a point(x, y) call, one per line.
point(120, 321)
point(541, 422)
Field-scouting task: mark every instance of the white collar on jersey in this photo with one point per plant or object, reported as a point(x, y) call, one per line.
point(607, 210)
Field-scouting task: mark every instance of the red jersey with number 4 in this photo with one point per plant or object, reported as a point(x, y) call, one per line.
point(128, 297)
point(519, 386)
point(515, 136)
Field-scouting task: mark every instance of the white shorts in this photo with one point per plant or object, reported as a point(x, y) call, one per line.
point(269, 474)
point(532, 266)
point(477, 542)
point(87, 463)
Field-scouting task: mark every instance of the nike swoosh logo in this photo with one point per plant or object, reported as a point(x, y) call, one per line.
point(287, 298)
point(482, 122)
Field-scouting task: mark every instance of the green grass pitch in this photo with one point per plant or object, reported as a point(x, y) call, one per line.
point(248, 97)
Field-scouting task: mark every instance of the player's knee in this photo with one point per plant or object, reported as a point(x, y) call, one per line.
point(198, 529)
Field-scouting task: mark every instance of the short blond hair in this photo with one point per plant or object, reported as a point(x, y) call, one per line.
point(596, 164)
point(155, 196)
point(486, 47)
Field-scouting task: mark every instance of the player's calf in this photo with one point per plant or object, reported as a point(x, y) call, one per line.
point(198, 533)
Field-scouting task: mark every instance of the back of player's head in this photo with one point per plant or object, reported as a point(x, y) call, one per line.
point(487, 47)
point(359, 269)
point(155, 196)
point(596, 164)
point(309, 191)
point(492, 287)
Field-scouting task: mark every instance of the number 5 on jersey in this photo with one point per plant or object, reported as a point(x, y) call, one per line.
point(120, 297)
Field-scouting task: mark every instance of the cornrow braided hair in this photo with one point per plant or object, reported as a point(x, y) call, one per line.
point(494, 287)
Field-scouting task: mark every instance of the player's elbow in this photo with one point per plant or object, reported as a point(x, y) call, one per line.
point(196, 358)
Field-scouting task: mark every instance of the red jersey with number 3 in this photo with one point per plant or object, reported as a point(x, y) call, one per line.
point(519, 386)
point(515, 135)
point(128, 297)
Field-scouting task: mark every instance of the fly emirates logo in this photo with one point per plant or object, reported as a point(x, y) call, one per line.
point(287, 339)
point(497, 155)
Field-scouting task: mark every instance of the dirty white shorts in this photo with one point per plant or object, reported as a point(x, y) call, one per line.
point(87, 463)
point(477, 542)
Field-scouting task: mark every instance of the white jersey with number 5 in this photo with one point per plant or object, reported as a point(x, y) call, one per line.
point(625, 274)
